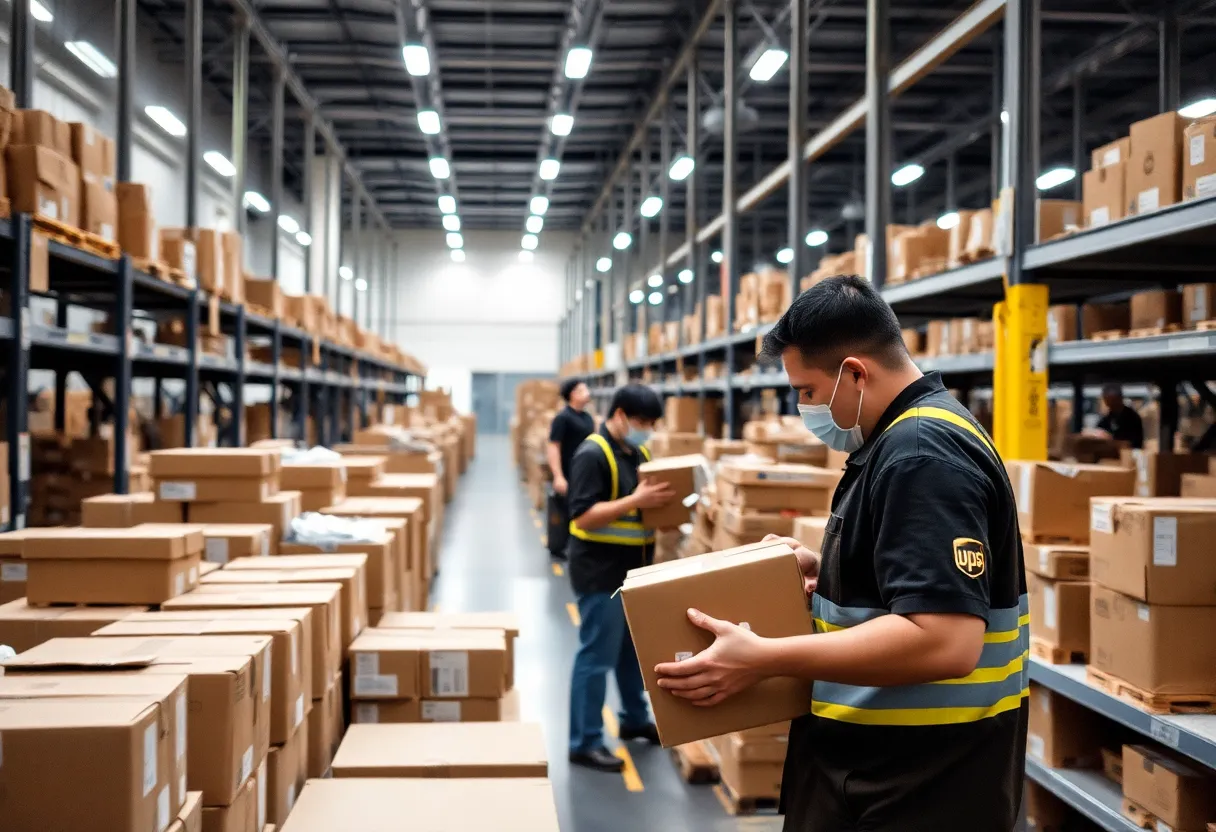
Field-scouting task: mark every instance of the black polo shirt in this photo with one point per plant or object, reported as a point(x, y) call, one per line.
point(1125, 426)
point(601, 567)
point(570, 427)
point(923, 521)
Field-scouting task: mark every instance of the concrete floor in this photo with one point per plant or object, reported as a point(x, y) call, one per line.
point(492, 558)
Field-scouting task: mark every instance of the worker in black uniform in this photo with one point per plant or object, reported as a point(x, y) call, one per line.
point(570, 427)
point(1120, 422)
point(921, 628)
point(606, 541)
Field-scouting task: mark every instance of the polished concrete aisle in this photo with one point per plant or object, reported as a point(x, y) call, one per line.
point(492, 559)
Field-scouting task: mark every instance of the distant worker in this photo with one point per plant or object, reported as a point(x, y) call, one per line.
point(1120, 423)
point(606, 541)
point(918, 712)
point(570, 427)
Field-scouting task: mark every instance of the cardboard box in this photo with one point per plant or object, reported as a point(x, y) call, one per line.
point(757, 779)
point(1062, 733)
point(437, 710)
point(1198, 303)
point(23, 627)
point(353, 589)
point(362, 804)
point(93, 153)
point(1153, 646)
point(809, 531)
point(232, 250)
point(1044, 811)
point(686, 475)
point(683, 414)
point(410, 664)
point(286, 773)
point(1198, 485)
point(448, 750)
point(122, 511)
point(760, 584)
point(201, 463)
point(1053, 498)
point(1104, 317)
point(224, 542)
point(1174, 791)
point(136, 222)
point(190, 818)
point(1154, 168)
point(241, 815)
point(384, 566)
point(265, 293)
point(1159, 473)
point(180, 253)
point(43, 181)
point(1062, 323)
point(1104, 194)
point(1058, 562)
point(277, 511)
point(1155, 308)
point(38, 127)
point(216, 489)
point(505, 622)
point(98, 209)
point(1199, 159)
point(1056, 217)
point(1059, 613)
point(325, 729)
point(1119, 150)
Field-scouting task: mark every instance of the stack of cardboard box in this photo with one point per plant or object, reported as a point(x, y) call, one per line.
point(758, 498)
point(388, 578)
point(319, 484)
point(487, 750)
point(783, 439)
point(42, 178)
point(751, 762)
point(1161, 786)
point(415, 540)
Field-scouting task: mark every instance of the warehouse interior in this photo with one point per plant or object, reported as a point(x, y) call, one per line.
point(314, 279)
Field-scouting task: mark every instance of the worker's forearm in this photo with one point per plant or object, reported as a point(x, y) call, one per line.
point(554, 458)
point(601, 514)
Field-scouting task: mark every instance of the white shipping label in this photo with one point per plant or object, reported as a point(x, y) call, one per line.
point(1165, 541)
point(1142, 612)
point(1110, 157)
point(1102, 518)
point(246, 764)
point(299, 710)
point(179, 583)
point(449, 672)
point(1035, 746)
point(180, 728)
point(291, 796)
point(367, 713)
point(1199, 303)
point(1149, 200)
point(1099, 216)
point(13, 572)
point(375, 686)
point(193, 575)
point(106, 230)
point(216, 550)
point(1050, 618)
point(1205, 185)
point(162, 809)
point(441, 712)
point(266, 676)
point(1044, 559)
point(1163, 732)
point(367, 664)
point(1196, 150)
point(1024, 480)
point(150, 762)
point(1053, 328)
point(177, 490)
point(265, 544)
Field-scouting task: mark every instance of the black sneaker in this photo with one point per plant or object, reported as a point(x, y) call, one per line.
point(647, 732)
point(599, 759)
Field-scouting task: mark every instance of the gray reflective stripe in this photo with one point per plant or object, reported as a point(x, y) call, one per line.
point(842, 616)
point(1000, 620)
point(1001, 653)
point(976, 695)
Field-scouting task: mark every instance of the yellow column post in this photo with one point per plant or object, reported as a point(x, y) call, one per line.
point(1020, 381)
point(999, 326)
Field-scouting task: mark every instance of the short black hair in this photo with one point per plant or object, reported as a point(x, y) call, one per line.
point(836, 317)
point(638, 401)
point(568, 386)
point(1112, 388)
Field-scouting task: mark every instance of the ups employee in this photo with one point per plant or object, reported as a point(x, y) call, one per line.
point(918, 711)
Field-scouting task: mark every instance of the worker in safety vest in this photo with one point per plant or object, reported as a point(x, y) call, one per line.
point(606, 541)
point(918, 712)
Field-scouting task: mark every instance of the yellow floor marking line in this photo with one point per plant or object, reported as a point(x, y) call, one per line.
point(557, 570)
point(633, 780)
point(610, 723)
point(536, 522)
point(575, 618)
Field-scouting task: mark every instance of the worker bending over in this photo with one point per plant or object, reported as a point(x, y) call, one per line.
point(570, 427)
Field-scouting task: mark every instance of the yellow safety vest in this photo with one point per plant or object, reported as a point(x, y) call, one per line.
point(626, 530)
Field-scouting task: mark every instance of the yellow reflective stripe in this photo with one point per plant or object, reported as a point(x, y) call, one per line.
point(824, 627)
point(943, 415)
point(626, 524)
point(603, 537)
point(916, 716)
point(1003, 636)
point(603, 443)
point(983, 675)
point(645, 452)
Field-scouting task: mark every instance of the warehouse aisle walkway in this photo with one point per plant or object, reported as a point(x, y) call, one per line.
point(492, 559)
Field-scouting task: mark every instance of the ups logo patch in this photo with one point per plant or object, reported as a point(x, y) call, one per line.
point(969, 556)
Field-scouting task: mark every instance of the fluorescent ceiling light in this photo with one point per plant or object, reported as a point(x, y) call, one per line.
point(168, 122)
point(651, 206)
point(526, 257)
point(458, 255)
point(539, 205)
point(40, 12)
point(637, 296)
point(948, 220)
point(417, 59)
point(561, 124)
point(1004, 116)
point(288, 224)
point(534, 224)
point(440, 169)
point(428, 122)
point(529, 242)
point(1200, 109)
point(622, 240)
point(681, 167)
point(455, 240)
point(257, 202)
point(447, 204)
point(578, 62)
point(604, 264)
point(907, 175)
point(767, 65)
point(816, 237)
point(655, 298)
point(716, 256)
point(1055, 177)
point(451, 222)
point(549, 169)
point(219, 163)
point(786, 255)
point(346, 272)
point(360, 285)
point(672, 289)
point(654, 281)
point(90, 56)
point(685, 276)
point(304, 238)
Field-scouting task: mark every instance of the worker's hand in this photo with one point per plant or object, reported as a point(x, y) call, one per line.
point(1097, 433)
point(653, 494)
point(561, 486)
point(808, 561)
point(725, 668)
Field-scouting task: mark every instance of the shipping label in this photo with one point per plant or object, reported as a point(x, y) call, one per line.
point(449, 672)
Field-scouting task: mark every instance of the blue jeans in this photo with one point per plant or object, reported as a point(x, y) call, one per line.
point(604, 645)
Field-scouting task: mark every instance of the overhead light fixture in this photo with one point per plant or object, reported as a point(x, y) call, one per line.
point(289, 224)
point(219, 163)
point(654, 281)
point(256, 201)
point(529, 242)
point(604, 264)
point(417, 59)
point(40, 12)
point(454, 240)
point(637, 296)
point(578, 62)
point(549, 168)
point(767, 65)
point(622, 240)
point(304, 238)
point(451, 222)
point(1200, 109)
point(786, 255)
point(447, 204)
point(1004, 116)
point(346, 272)
point(440, 169)
point(90, 56)
point(672, 289)
point(360, 285)
point(651, 206)
point(655, 298)
point(907, 175)
point(681, 167)
point(428, 122)
point(458, 255)
point(948, 220)
point(534, 224)
point(168, 122)
point(685, 276)
point(716, 256)
point(561, 124)
point(1055, 177)
point(539, 205)
point(526, 256)
point(816, 237)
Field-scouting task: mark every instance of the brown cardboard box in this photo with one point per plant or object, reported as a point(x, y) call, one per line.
point(683, 414)
point(1155, 308)
point(325, 728)
point(23, 627)
point(224, 542)
point(208, 255)
point(1152, 646)
point(1053, 498)
point(809, 531)
point(190, 817)
point(411, 509)
point(1159, 473)
point(505, 622)
point(233, 253)
point(504, 709)
point(1198, 303)
point(686, 475)
point(1103, 317)
point(443, 750)
point(241, 815)
point(1198, 485)
point(1199, 158)
point(1059, 613)
point(979, 235)
point(1104, 194)
point(1044, 811)
point(363, 804)
point(122, 511)
point(38, 127)
point(746, 779)
point(1120, 150)
point(384, 571)
point(755, 497)
point(42, 181)
point(1058, 562)
point(408, 664)
point(1174, 791)
point(286, 773)
point(265, 293)
point(216, 489)
point(277, 511)
point(136, 223)
point(1062, 323)
point(752, 526)
point(1056, 217)
point(351, 580)
point(1154, 168)
point(98, 209)
point(198, 463)
point(726, 585)
point(120, 746)
point(180, 253)
point(1062, 733)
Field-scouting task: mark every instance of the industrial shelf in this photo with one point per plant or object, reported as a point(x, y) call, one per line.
point(964, 288)
point(161, 354)
point(95, 343)
point(1089, 792)
point(1193, 735)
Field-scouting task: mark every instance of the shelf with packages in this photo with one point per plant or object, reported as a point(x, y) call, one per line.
point(1087, 791)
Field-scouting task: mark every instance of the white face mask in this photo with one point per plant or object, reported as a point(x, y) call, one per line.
point(818, 420)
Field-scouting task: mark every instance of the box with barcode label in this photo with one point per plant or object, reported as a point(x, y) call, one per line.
point(1059, 614)
point(460, 664)
point(1053, 497)
point(385, 665)
point(443, 750)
